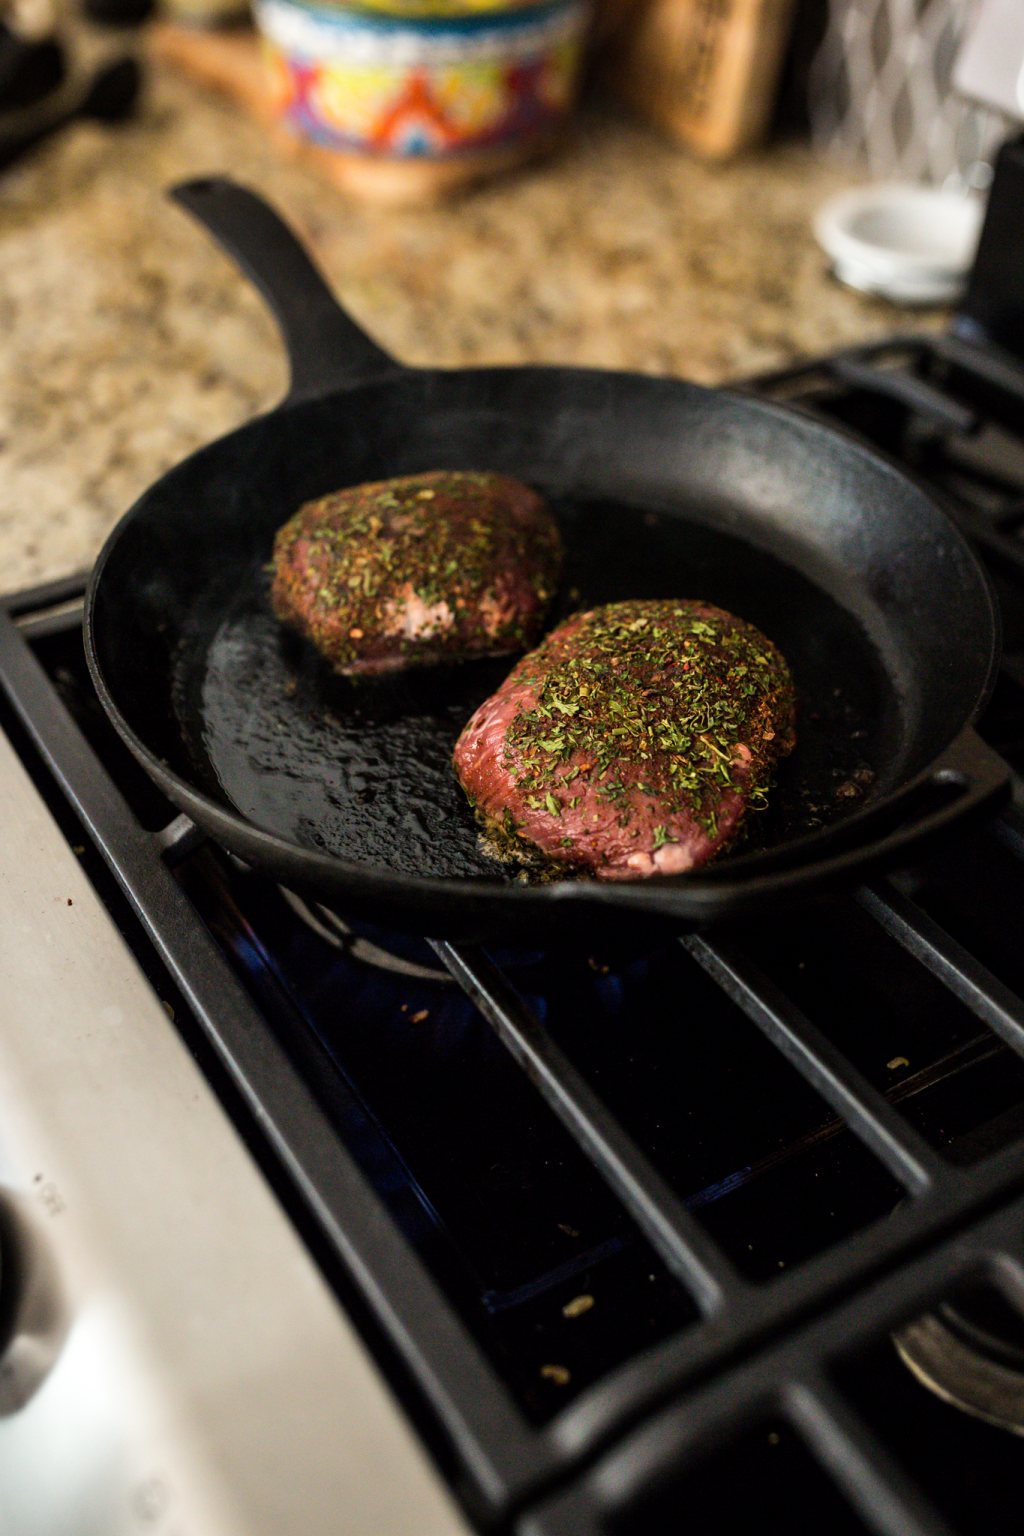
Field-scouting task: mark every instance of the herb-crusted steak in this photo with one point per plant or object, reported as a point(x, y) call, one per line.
point(427, 568)
point(631, 742)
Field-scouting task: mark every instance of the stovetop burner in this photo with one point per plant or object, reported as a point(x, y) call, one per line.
point(970, 1353)
point(762, 1125)
point(340, 935)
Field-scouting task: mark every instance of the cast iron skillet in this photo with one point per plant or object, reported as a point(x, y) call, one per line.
point(345, 791)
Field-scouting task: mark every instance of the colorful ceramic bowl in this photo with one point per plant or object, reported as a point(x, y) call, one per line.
point(424, 79)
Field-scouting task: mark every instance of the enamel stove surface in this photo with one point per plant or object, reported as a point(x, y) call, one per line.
point(174, 1360)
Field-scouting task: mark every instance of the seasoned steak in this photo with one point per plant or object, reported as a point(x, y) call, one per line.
point(432, 567)
point(631, 742)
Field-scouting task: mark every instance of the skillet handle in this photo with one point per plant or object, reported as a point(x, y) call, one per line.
point(972, 763)
point(968, 778)
point(326, 348)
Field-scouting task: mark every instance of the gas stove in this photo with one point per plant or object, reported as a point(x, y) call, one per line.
point(310, 1225)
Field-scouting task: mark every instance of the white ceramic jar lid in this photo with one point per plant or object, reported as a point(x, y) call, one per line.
point(910, 243)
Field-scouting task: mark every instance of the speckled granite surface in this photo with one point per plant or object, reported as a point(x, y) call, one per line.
point(129, 341)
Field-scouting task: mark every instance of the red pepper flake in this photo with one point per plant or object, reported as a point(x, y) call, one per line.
point(417, 1018)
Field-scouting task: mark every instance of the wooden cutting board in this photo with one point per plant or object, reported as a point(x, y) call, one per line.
point(703, 71)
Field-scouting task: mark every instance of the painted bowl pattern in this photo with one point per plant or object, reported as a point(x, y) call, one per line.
point(422, 85)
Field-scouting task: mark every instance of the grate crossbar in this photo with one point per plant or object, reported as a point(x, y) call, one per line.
point(658, 1212)
point(906, 1155)
point(881, 1492)
point(965, 977)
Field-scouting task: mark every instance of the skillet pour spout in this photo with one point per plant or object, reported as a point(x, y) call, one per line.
point(662, 489)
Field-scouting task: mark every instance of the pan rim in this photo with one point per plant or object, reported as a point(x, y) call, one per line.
point(712, 878)
point(935, 498)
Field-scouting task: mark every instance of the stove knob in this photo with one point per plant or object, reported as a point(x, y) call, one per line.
point(34, 1316)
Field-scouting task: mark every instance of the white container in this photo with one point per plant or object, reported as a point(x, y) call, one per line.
point(909, 243)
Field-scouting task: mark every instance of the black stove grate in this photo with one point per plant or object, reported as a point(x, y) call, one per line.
point(618, 1221)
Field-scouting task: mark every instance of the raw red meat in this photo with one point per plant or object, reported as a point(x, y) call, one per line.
point(428, 568)
point(632, 741)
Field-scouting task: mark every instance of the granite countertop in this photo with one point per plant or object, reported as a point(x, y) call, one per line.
point(129, 340)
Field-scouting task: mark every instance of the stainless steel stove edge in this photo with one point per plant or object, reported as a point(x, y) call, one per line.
point(177, 1362)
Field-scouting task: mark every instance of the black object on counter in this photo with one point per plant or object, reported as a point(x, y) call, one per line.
point(119, 13)
point(29, 69)
point(994, 303)
point(109, 97)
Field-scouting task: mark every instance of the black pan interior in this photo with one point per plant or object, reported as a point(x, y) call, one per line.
point(662, 490)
